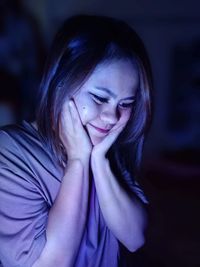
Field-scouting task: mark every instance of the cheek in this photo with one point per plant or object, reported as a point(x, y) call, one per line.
point(86, 109)
point(125, 116)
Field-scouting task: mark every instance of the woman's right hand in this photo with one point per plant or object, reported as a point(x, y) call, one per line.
point(72, 133)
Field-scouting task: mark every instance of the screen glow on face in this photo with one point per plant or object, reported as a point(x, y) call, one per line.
point(107, 98)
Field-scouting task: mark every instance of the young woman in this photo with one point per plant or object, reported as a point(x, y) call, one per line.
point(68, 195)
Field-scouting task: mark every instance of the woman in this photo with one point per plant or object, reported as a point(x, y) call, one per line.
point(67, 190)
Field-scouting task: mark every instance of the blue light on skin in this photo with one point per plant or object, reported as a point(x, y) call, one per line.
point(107, 97)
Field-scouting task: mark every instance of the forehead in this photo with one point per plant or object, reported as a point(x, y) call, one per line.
point(121, 77)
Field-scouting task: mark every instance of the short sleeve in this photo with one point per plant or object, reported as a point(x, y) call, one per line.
point(22, 221)
point(134, 186)
point(23, 211)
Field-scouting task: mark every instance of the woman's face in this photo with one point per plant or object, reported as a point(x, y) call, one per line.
point(107, 98)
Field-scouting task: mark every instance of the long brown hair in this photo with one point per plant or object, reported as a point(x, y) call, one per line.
point(82, 43)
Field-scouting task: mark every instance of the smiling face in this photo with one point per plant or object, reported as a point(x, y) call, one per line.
point(107, 98)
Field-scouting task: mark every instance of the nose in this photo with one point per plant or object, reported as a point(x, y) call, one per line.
point(110, 115)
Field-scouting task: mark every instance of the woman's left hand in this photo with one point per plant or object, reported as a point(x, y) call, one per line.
point(102, 148)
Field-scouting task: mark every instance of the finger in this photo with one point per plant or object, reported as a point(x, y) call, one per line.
point(74, 114)
point(111, 138)
point(66, 125)
point(118, 128)
point(65, 116)
point(115, 132)
point(106, 143)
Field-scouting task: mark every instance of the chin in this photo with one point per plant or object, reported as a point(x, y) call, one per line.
point(95, 140)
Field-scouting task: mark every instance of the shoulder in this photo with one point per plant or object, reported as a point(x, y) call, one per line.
point(16, 142)
point(19, 140)
point(22, 137)
point(22, 149)
point(25, 158)
point(23, 210)
point(14, 132)
point(18, 133)
point(9, 145)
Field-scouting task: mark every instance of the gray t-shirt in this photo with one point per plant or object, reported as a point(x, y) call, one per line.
point(29, 181)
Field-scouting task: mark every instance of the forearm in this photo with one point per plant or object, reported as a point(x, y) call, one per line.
point(123, 214)
point(67, 218)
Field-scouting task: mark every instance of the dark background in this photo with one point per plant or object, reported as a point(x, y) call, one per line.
point(171, 169)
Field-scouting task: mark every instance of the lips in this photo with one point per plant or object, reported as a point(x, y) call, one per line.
point(101, 130)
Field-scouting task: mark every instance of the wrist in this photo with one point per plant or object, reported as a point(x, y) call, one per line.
point(73, 162)
point(81, 159)
point(97, 153)
point(98, 160)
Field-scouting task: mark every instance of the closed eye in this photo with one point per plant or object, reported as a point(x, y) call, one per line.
point(99, 99)
point(126, 105)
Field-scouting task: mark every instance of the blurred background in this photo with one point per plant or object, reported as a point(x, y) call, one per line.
point(171, 164)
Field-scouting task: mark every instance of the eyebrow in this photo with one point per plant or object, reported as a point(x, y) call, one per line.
point(112, 94)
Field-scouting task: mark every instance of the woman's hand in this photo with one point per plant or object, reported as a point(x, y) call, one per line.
point(72, 133)
point(101, 149)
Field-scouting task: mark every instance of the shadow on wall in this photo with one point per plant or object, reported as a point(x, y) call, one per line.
point(184, 111)
point(172, 184)
point(10, 98)
point(21, 58)
point(171, 180)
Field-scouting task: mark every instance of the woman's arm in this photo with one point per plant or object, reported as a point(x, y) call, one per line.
point(68, 215)
point(67, 218)
point(123, 214)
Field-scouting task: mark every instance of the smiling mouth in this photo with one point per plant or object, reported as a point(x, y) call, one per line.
point(100, 129)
